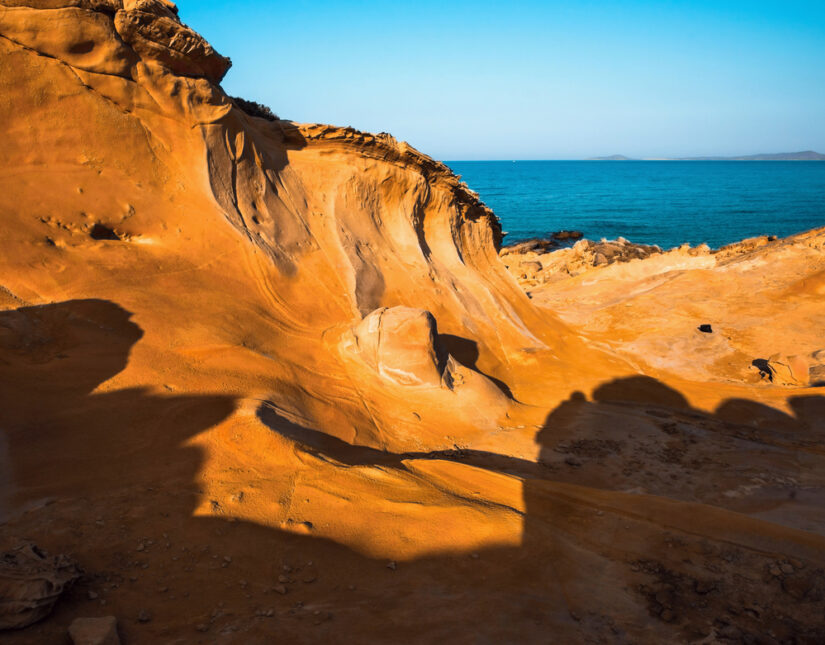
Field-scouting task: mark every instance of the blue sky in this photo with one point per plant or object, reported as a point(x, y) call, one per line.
point(536, 80)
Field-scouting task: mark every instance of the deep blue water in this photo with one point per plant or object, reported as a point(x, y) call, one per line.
point(651, 202)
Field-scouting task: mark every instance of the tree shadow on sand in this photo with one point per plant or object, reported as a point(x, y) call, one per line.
point(625, 536)
point(60, 432)
point(623, 539)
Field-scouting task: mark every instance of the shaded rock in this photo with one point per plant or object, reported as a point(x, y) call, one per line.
point(94, 631)
point(531, 267)
point(31, 582)
point(567, 235)
point(764, 367)
point(707, 329)
point(599, 259)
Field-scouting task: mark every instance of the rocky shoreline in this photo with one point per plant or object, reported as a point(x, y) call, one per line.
point(568, 253)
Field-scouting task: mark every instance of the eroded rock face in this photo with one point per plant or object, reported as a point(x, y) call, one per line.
point(111, 36)
point(153, 29)
point(31, 582)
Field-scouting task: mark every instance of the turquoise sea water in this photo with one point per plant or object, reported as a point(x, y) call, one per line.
point(651, 202)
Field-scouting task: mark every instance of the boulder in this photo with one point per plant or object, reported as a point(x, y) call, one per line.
point(31, 582)
point(400, 344)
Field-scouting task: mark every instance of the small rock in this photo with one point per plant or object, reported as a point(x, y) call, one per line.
point(573, 461)
point(775, 571)
point(94, 631)
point(729, 632)
point(392, 565)
point(786, 568)
point(144, 616)
point(140, 547)
point(283, 579)
point(797, 587)
point(202, 627)
point(599, 259)
point(92, 595)
point(281, 589)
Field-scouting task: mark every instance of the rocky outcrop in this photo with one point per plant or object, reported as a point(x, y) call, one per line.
point(31, 582)
point(535, 263)
point(111, 36)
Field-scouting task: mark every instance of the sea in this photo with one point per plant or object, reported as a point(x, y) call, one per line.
point(666, 203)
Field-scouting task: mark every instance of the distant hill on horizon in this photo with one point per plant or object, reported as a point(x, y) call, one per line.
point(805, 155)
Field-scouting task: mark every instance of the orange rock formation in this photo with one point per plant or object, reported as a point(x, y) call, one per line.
point(271, 380)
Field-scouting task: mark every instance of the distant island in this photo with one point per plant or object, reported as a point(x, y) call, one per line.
point(806, 155)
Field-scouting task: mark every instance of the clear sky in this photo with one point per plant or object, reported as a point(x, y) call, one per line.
point(536, 80)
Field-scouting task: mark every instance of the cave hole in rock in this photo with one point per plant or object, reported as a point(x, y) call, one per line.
point(102, 232)
point(764, 367)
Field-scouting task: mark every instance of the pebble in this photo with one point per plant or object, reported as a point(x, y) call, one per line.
point(392, 565)
point(144, 616)
point(281, 589)
point(94, 630)
point(140, 547)
point(775, 571)
point(92, 595)
point(202, 627)
point(283, 579)
point(786, 568)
